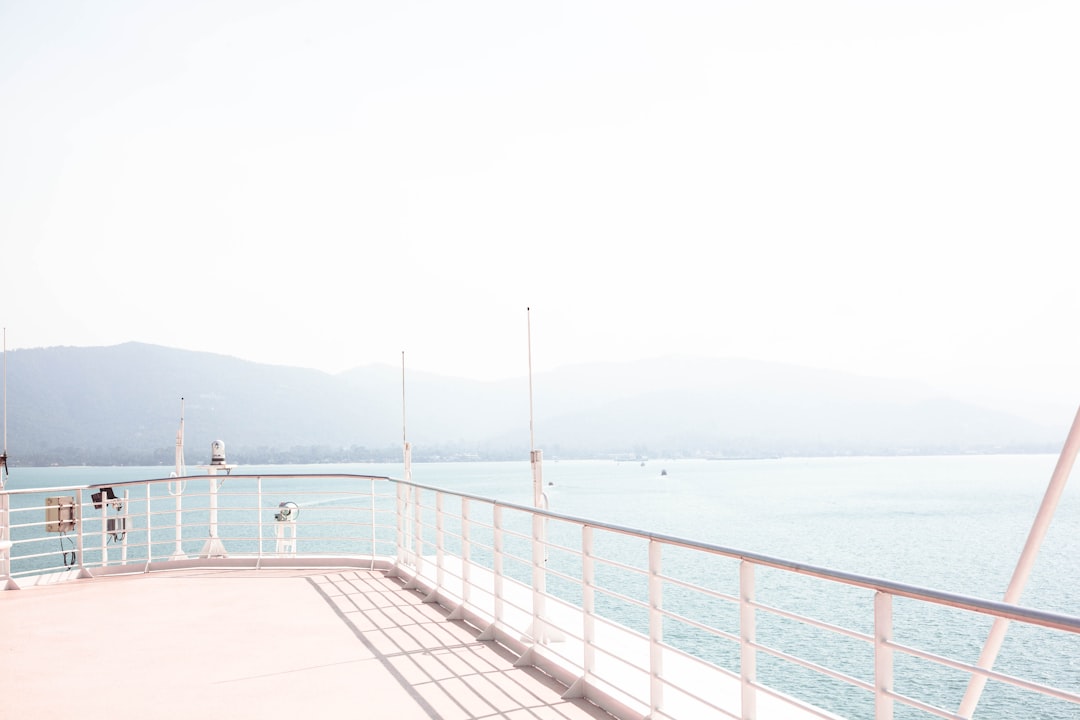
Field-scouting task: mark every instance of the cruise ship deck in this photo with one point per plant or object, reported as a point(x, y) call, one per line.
point(266, 643)
point(387, 599)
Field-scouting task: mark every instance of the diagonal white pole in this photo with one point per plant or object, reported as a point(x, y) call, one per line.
point(1024, 565)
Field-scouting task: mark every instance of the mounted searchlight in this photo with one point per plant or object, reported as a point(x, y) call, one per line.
point(217, 452)
point(287, 512)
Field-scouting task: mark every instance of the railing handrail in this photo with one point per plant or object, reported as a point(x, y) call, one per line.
point(429, 545)
point(202, 476)
point(939, 597)
point(1033, 616)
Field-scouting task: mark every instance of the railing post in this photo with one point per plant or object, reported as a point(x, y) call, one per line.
point(418, 532)
point(122, 518)
point(149, 532)
point(656, 630)
point(259, 519)
point(883, 657)
point(79, 532)
point(440, 576)
point(6, 542)
point(466, 554)
point(539, 580)
point(399, 538)
point(372, 497)
point(497, 563)
point(178, 520)
point(747, 653)
point(588, 606)
point(104, 523)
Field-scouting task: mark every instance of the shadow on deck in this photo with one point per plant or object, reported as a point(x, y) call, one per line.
point(248, 644)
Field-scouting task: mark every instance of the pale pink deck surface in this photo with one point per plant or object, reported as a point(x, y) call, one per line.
point(262, 644)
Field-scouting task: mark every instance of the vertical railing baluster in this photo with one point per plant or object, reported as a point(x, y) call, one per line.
point(399, 532)
point(149, 532)
point(747, 652)
point(539, 580)
point(259, 520)
point(371, 497)
point(466, 553)
point(79, 545)
point(104, 522)
point(656, 629)
point(7, 548)
point(440, 577)
point(588, 607)
point(418, 531)
point(123, 518)
point(497, 563)
point(883, 656)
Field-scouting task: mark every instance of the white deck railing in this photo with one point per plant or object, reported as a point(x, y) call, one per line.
point(640, 623)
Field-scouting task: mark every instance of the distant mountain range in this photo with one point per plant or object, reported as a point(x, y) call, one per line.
point(120, 405)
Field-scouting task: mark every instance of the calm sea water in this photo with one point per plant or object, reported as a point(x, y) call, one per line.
point(950, 523)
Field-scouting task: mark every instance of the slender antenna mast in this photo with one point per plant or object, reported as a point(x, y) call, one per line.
point(406, 447)
point(536, 457)
point(3, 456)
point(181, 470)
point(528, 323)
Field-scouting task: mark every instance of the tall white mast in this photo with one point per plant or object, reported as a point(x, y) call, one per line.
point(177, 487)
point(181, 471)
point(404, 437)
point(536, 457)
point(3, 456)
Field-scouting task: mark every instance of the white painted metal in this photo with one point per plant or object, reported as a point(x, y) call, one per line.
point(418, 531)
point(149, 532)
point(79, 531)
point(259, 504)
point(604, 656)
point(177, 487)
point(440, 538)
point(5, 543)
point(656, 630)
point(104, 535)
point(122, 517)
point(497, 566)
point(1023, 567)
point(466, 553)
point(539, 629)
point(213, 547)
point(285, 537)
point(588, 606)
point(883, 657)
point(3, 453)
point(401, 537)
point(747, 642)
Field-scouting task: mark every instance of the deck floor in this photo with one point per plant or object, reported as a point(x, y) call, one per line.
point(256, 644)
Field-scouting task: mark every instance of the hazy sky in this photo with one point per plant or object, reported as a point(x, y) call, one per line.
point(887, 187)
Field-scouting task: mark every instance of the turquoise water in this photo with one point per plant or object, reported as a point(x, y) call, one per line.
point(950, 523)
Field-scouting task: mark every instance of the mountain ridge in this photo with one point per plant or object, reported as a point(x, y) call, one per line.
point(121, 404)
